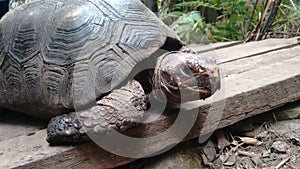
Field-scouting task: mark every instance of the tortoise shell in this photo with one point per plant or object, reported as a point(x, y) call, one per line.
point(59, 53)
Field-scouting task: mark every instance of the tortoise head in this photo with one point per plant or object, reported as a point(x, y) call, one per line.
point(184, 76)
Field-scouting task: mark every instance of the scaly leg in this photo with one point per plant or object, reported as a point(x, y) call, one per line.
point(119, 110)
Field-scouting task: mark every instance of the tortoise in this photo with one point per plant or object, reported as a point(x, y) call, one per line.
point(78, 62)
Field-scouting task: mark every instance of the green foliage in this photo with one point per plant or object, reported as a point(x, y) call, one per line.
point(15, 3)
point(190, 27)
point(186, 6)
point(288, 19)
point(234, 21)
point(231, 23)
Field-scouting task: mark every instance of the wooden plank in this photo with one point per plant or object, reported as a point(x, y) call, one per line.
point(34, 152)
point(13, 124)
point(201, 48)
point(272, 86)
point(257, 47)
point(20, 126)
point(251, 49)
point(253, 90)
point(250, 63)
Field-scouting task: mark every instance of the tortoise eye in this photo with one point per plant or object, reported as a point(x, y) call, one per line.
point(193, 68)
point(188, 69)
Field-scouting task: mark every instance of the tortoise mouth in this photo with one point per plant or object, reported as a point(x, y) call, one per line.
point(205, 81)
point(186, 88)
point(198, 86)
point(195, 80)
point(201, 90)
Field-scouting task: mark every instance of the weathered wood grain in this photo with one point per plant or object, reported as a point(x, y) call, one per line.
point(252, 47)
point(201, 48)
point(255, 83)
point(237, 52)
point(250, 63)
point(13, 124)
point(33, 152)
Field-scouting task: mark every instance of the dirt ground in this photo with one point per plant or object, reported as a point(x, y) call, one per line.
point(267, 141)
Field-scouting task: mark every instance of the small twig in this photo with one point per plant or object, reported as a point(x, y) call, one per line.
point(245, 153)
point(293, 4)
point(270, 18)
point(282, 163)
point(275, 118)
point(285, 33)
point(243, 29)
point(255, 32)
point(268, 4)
point(251, 17)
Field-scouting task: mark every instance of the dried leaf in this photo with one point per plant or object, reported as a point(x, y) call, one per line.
point(248, 141)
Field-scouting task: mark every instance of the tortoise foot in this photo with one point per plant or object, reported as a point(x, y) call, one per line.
point(66, 128)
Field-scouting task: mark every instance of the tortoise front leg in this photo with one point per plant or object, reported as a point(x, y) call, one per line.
point(119, 110)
